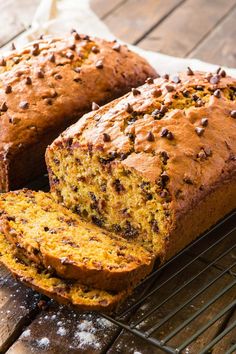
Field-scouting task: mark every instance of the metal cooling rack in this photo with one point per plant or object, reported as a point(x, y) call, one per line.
point(135, 316)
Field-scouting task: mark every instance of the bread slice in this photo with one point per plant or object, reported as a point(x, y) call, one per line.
point(80, 296)
point(50, 235)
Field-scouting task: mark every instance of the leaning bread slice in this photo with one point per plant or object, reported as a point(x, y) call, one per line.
point(74, 293)
point(51, 235)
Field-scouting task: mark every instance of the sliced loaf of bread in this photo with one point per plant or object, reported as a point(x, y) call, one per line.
point(52, 236)
point(80, 296)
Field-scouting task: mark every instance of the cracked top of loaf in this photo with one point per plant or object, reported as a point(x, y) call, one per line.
point(184, 124)
point(59, 78)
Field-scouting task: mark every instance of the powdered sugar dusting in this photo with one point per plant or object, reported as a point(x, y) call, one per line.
point(26, 333)
point(62, 331)
point(43, 343)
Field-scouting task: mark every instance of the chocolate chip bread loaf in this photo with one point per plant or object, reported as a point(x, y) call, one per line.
point(157, 165)
point(52, 236)
point(48, 85)
point(42, 280)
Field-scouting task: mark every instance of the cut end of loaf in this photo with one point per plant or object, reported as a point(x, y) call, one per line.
point(52, 236)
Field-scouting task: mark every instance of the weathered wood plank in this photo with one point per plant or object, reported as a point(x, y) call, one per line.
point(229, 340)
point(128, 343)
point(179, 34)
point(15, 16)
point(134, 18)
point(17, 305)
point(103, 8)
point(63, 330)
point(219, 47)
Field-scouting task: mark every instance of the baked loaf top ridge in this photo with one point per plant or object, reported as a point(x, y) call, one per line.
point(51, 235)
point(184, 125)
point(80, 296)
point(51, 82)
point(175, 135)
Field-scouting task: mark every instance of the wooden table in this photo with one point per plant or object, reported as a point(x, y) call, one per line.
point(187, 28)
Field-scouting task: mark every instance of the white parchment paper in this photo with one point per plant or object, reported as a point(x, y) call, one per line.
point(59, 16)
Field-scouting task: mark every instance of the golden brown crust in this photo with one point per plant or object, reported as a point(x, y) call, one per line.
point(51, 235)
point(48, 85)
point(177, 133)
point(70, 293)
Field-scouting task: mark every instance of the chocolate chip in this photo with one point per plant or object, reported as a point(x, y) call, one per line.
point(149, 81)
point(116, 47)
point(99, 64)
point(8, 89)
point(95, 106)
point(70, 55)
point(40, 74)
point(199, 131)
point(204, 122)
point(4, 107)
point(195, 97)
point(223, 73)
point(199, 88)
point(13, 47)
point(52, 58)
point(233, 114)
point(106, 137)
point(95, 49)
point(166, 76)
point(24, 105)
point(214, 79)
point(14, 120)
point(218, 70)
point(156, 92)
point(72, 46)
point(186, 93)
point(164, 132)
point(189, 71)
point(150, 136)
point(135, 92)
point(58, 77)
point(76, 35)
point(163, 109)
point(28, 81)
point(217, 93)
point(175, 79)
point(35, 50)
point(49, 101)
point(77, 70)
point(118, 186)
point(41, 36)
point(167, 134)
point(169, 88)
point(155, 227)
point(199, 103)
point(3, 62)
point(164, 156)
point(128, 108)
point(187, 180)
point(164, 177)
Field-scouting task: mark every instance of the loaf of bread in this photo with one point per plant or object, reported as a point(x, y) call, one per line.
point(52, 236)
point(157, 165)
point(47, 86)
point(71, 293)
